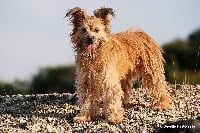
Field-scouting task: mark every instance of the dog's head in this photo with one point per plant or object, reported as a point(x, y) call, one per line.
point(89, 32)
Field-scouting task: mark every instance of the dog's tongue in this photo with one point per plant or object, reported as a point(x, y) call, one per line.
point(91, 48)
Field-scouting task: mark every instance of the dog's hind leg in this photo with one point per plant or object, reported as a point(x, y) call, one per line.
point(153, 79)
point(159, 93)
point(128, 90)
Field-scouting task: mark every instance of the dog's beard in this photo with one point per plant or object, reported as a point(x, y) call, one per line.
point(90, 49)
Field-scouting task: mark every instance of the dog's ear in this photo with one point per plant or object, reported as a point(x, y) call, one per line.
point(76, 15)
point(105, 14)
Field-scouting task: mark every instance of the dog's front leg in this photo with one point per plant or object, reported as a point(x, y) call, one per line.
point(112, 99)
point(84, 103)
point(89, 99)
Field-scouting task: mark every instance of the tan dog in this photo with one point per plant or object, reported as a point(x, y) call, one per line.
point(107, 64)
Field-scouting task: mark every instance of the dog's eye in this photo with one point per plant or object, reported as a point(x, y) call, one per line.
point(96, 30)
point(84, 30)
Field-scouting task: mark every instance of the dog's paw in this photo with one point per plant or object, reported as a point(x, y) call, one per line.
point(80, 119)
point(115, 119)
point(162, 107)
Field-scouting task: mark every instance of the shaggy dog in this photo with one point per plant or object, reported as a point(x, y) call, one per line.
point(107, 64)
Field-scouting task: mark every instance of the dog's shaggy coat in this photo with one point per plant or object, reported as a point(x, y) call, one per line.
point(107, 64)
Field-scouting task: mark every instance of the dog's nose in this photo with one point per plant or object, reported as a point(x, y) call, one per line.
point(90, 39)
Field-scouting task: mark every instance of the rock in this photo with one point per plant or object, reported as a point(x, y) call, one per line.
point(181, 126)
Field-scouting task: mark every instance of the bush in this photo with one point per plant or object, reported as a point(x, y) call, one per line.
point(8, 89)
point(182, 60)
point(53, 79)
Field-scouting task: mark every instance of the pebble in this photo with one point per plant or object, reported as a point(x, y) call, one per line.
point(55, 112)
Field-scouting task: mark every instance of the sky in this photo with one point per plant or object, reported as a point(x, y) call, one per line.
point(34, 34)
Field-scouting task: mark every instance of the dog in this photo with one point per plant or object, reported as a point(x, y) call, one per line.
point(107, 64)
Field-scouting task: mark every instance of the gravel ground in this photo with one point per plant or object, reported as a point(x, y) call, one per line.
point(55, 112)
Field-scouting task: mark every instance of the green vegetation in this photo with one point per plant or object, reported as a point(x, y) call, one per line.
point(8, 89)
point(58, 79)
point(53, 79)
point(183, 60)
point(182, 67)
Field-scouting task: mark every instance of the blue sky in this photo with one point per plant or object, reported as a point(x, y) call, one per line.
point(33, 33)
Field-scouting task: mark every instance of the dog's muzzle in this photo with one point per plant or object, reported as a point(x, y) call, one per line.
point(91, 46)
